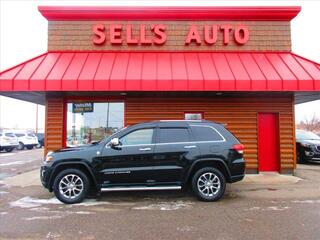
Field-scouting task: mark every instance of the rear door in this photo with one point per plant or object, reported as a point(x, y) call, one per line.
point(174, 150)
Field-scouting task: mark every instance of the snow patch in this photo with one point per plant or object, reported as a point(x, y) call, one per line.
point(306, 201)
point(3, 192)
point(35, 203)
point(277, 208)
point(166, 206)
point(29, 202)
point(3, 213)
point(43, 218)
point(12, 163)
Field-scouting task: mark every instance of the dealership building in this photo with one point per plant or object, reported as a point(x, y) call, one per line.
point(109, 67)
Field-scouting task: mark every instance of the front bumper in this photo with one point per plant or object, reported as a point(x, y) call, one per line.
point(45, 173)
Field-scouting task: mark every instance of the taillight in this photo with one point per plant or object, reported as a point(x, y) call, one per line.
point(238, 147)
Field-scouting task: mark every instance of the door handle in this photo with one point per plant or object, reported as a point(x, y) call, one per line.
point(144, 149)
point(190, 146)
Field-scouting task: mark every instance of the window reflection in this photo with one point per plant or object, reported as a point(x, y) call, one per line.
point(90, 122)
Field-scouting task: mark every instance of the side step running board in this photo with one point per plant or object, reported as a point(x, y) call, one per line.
point(139, 188)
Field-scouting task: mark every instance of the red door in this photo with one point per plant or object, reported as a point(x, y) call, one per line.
point(268, 142)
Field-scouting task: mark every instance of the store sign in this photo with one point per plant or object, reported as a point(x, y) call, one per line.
point(82, 107)
point(155, 34)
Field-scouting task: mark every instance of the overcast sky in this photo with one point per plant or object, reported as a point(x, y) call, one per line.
point(23, 35)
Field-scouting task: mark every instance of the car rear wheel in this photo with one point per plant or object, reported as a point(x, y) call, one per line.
point(71, 186)
point(29, 147)
point(208, 184)
point(21, 146)
point(9, 149)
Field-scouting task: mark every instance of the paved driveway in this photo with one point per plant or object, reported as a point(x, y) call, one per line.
point(249, 210)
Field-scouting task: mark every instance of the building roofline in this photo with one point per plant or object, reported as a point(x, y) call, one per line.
point(79, 13)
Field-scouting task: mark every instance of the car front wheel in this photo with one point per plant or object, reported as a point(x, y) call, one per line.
point(208, 184)
point(71, 186)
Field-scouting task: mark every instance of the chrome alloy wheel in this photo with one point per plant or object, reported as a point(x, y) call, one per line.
point(208, 184)
point(71, 186)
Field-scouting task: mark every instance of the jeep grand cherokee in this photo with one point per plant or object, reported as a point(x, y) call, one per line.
point(157, 155)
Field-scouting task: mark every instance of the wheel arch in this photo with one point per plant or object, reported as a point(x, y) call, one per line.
point(208, 162)
point(71, 164)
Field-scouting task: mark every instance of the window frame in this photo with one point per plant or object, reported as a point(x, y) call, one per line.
point(223, 139)
point(82, 99)
point(134, 130)
point(191, 137)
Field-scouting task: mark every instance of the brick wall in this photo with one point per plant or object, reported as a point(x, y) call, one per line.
point(77, 35)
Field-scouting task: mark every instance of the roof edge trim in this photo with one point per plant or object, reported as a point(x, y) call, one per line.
point(71, 13)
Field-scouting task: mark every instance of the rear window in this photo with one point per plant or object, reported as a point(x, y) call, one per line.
point(206, 133)
point(19, 134)
point(31, 135)
point(9, 135)
point(170, 135)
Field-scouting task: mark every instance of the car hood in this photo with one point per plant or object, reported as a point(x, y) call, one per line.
point(73, 149)
point(313, 142)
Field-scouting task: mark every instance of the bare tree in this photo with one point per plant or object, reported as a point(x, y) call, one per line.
point(311, 124)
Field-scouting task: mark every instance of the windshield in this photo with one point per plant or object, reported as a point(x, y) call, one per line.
point(304, 135)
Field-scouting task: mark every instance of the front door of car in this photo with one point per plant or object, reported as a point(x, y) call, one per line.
point(131, 161)
point(173, 152)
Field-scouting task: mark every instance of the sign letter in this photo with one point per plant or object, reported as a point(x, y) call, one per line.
point(193, 35)
point(98, 31)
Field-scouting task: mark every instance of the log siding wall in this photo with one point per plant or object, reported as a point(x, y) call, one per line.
point(240, 115)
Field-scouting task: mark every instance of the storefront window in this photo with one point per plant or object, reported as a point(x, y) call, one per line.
point(92, 121)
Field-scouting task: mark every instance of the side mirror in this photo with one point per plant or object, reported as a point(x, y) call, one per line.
point(114, 142)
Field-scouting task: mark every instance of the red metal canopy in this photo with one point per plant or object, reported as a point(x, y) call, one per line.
point(171, 71)
point(86, 13)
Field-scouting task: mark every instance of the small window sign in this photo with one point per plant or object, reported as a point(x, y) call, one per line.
point(82, 107)
point(193, 116)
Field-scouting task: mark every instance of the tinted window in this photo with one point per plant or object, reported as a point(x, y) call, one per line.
point(169, 135)
point(9, 135)
point(142, 136)
point(206, 133)
point(304, 135)
point(19, 134)
point(31, 135)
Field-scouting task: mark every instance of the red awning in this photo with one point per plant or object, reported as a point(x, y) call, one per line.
point(171, 71)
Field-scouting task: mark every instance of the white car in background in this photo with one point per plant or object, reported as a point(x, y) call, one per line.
point(28, 140)
point(8, 141)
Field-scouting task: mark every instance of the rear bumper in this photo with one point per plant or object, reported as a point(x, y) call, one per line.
point(237, 170)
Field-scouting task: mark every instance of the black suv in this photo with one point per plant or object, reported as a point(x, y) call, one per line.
point(157, 155)
point(308, 146)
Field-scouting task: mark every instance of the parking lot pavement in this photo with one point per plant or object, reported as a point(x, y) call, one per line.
point(249, 210)
point(18, 162)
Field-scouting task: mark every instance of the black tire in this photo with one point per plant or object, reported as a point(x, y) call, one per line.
point(21, 146)
point(9, 149)
point(71, 171)
point(300, 158)
point(220, 183)
point(29, 147)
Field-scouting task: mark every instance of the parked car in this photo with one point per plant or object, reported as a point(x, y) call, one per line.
point(159, 155)
point(308, 146)
point(40, 137)
point(28, 140)
point(8, 141)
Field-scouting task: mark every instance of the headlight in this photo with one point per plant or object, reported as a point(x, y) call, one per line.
point(49, 157)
